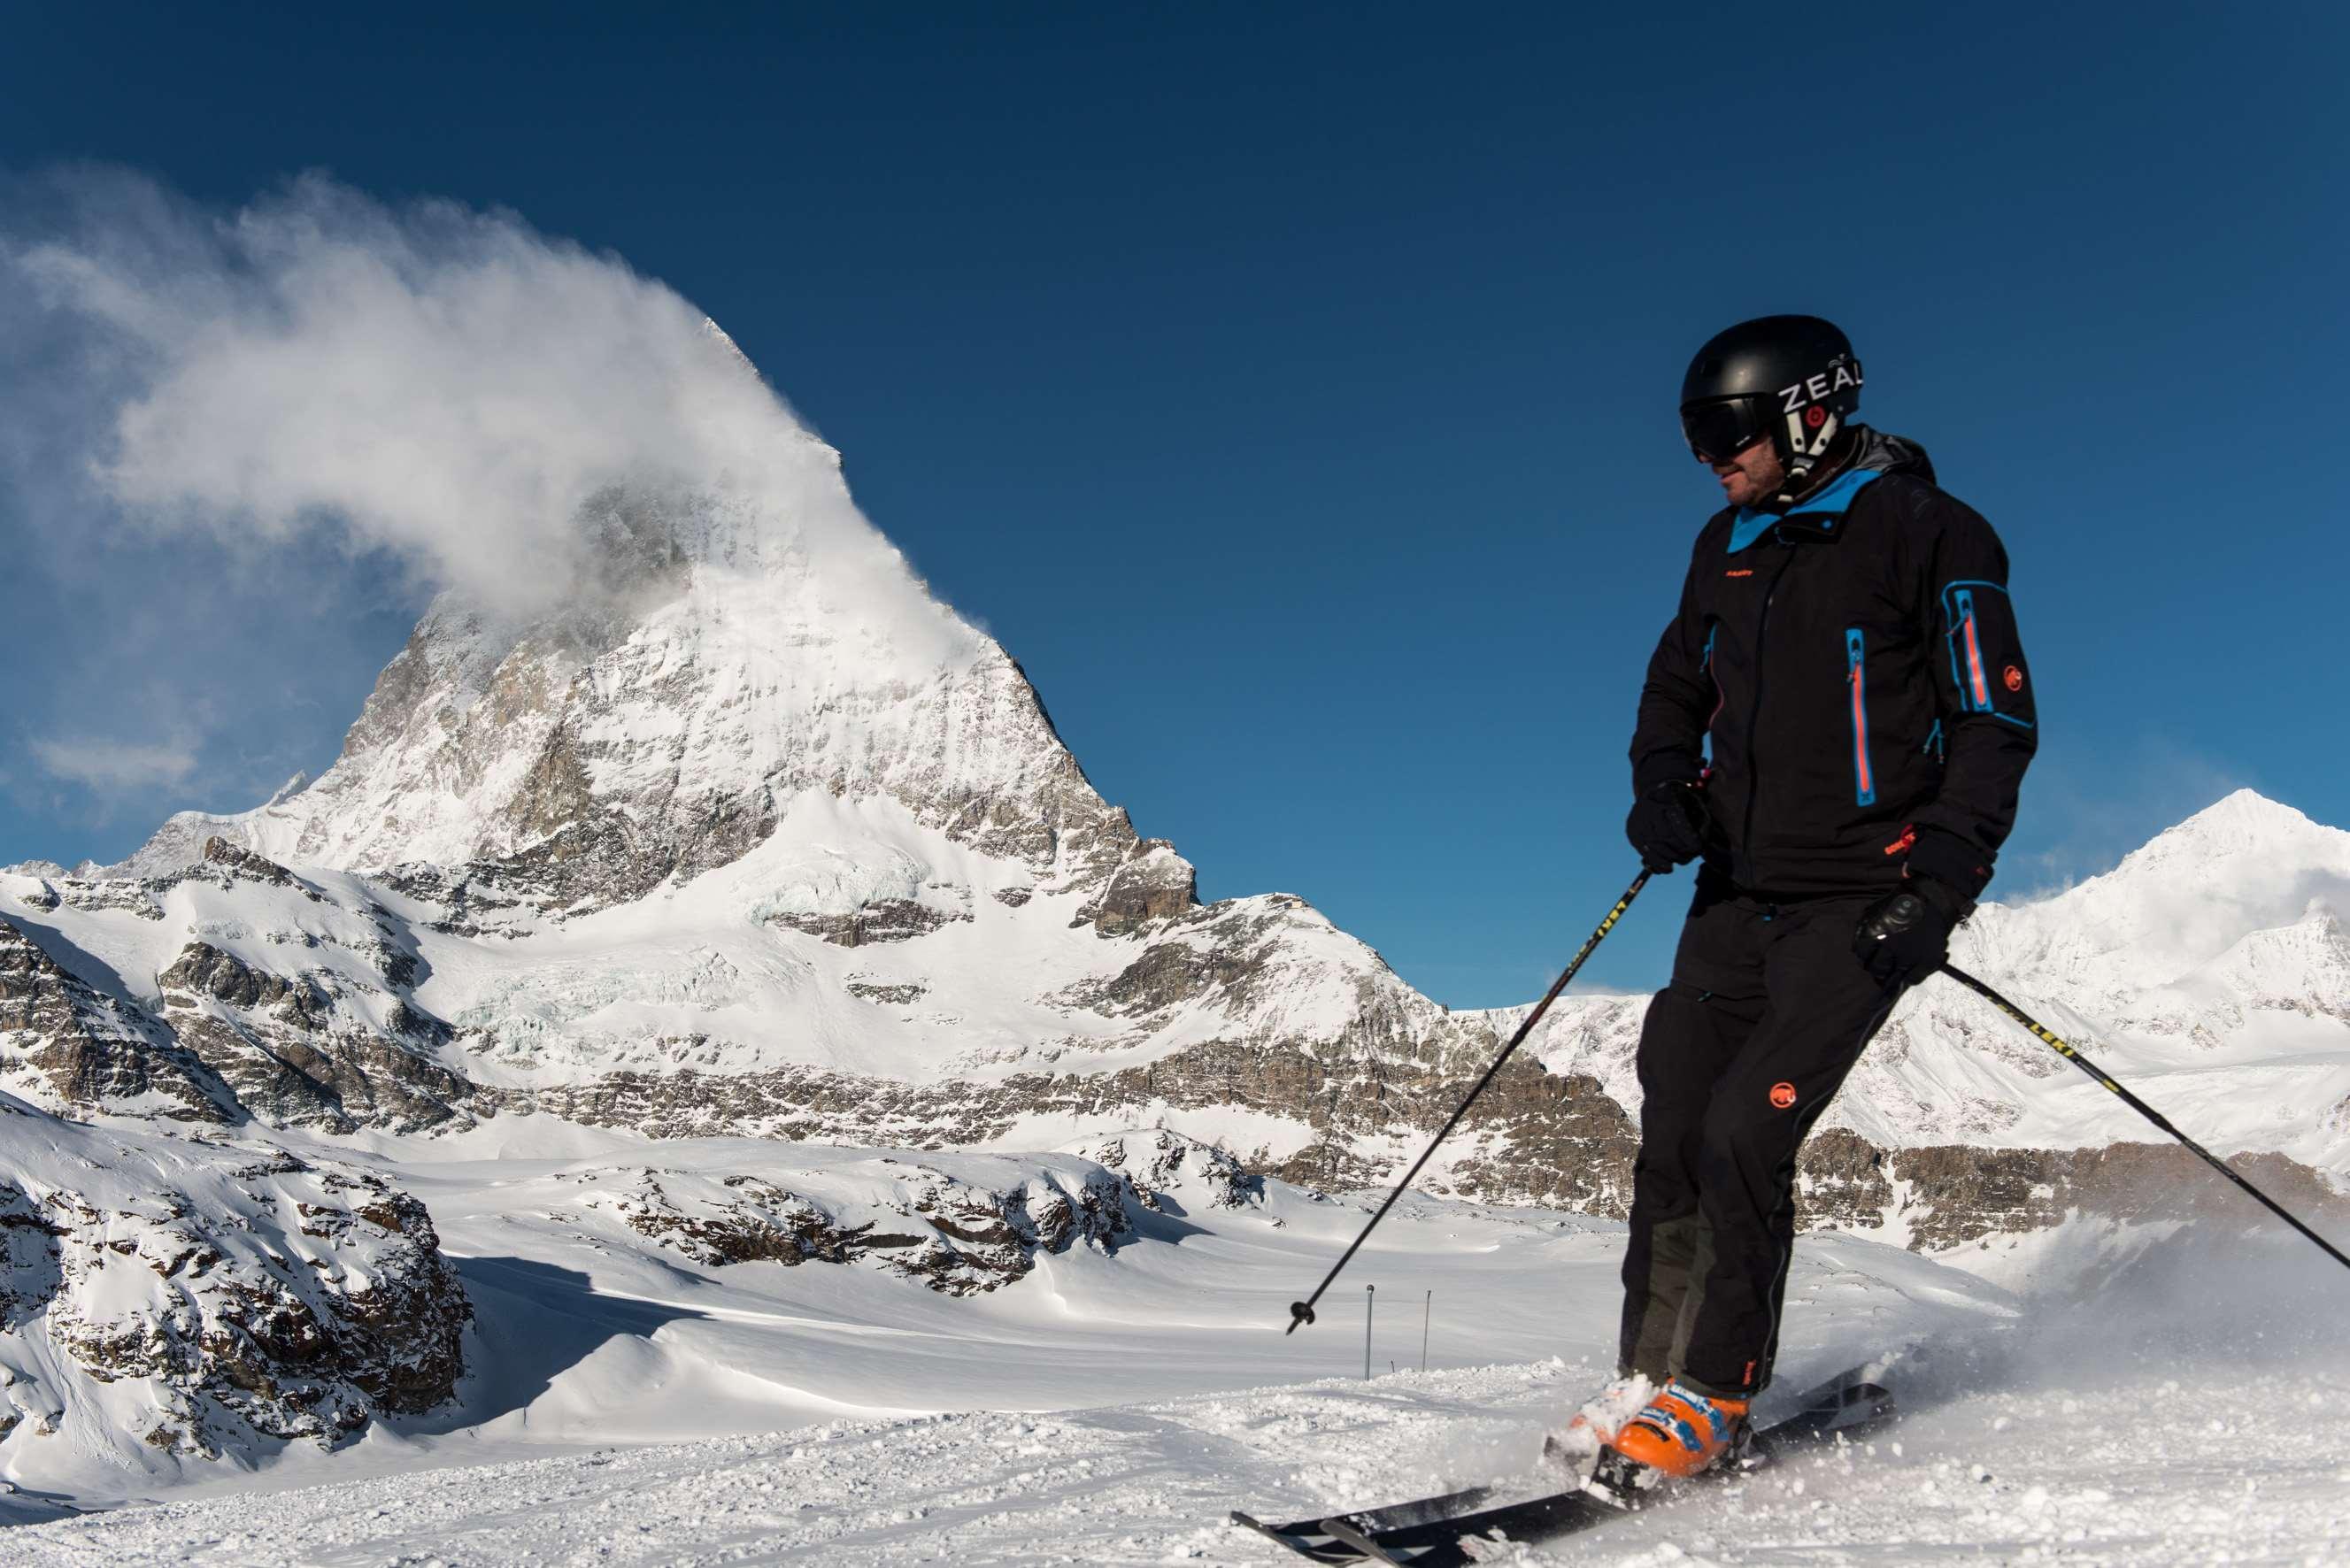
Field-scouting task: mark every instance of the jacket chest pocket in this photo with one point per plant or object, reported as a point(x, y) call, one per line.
point(1855, 680)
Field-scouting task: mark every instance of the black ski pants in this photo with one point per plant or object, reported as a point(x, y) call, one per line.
point(1768, 1010)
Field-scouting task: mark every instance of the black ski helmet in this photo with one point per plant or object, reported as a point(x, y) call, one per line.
point(1792, 379)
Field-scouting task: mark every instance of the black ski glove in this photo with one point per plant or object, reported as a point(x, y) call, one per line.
point(1667, 825)
point(1906, 935)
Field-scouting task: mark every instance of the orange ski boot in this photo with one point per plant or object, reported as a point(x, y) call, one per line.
point(1683, 1432)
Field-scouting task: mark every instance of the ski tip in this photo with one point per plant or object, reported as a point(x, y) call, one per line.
point(1368, 1545)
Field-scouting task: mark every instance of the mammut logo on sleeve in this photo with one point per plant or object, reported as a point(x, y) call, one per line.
point(1782, 1095)
point(1740, 572)
point(2014, 679)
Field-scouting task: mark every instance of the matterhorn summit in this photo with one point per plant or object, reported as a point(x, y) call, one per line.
point(709, 653)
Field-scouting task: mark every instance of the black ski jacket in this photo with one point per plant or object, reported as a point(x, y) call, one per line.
point(1854, 664)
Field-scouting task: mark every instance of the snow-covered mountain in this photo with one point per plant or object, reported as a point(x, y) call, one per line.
point(657, 725)
point(750, 833)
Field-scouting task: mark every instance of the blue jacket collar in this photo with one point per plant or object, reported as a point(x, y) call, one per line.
point(1826, 509)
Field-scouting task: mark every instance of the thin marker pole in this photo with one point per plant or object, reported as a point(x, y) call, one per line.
point(1427, 1305)
point(1369, 1296)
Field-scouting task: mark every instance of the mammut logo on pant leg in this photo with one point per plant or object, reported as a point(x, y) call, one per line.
point(1782, 1095)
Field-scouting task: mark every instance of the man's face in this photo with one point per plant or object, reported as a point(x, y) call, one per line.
point(1750, 476)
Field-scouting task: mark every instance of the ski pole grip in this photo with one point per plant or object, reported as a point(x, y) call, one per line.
point(1299, 1312)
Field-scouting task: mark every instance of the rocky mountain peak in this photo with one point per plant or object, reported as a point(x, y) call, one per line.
point(2243, 864)
point(717, 651)
point(2243, 823)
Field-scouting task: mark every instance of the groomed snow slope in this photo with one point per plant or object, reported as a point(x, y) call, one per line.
point(2012, 1474)
point(632, 1406)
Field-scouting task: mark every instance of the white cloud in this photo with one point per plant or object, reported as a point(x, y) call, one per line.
point(116, 764)
point(234, 436)
point(446, 384)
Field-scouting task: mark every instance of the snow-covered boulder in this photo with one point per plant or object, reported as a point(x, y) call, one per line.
point(958, 1224)
point(1170, 1173)
point(192, 1297)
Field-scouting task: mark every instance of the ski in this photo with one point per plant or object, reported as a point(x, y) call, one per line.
point(1431, 1532)
point(1317, 1538)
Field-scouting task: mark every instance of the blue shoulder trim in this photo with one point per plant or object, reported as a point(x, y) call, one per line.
point(1828, 506)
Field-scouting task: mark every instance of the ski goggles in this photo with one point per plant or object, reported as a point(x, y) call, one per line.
point(1720, 430)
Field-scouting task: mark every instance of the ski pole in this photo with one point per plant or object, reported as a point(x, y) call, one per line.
point(2064, 1049)
point(1303, 1311)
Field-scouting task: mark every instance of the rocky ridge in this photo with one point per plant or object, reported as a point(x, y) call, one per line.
point(233, 1040)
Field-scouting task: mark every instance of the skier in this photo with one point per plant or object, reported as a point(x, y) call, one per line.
point(1846, 642)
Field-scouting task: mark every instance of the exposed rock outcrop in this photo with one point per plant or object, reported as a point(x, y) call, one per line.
point(883, 920)
point(1152, 883)
point(64, 1043)
point(1170, 1173)
point(969, 1226)
point(294, 1055)
point(1952, 1195)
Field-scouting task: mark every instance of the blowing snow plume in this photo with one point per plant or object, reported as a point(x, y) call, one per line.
point(342, 401)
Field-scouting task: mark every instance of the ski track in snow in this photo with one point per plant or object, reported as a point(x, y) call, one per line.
point(2139, 1468)
point(2183, 1402)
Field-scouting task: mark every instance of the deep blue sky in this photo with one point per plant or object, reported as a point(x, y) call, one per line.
point(1290, 387)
